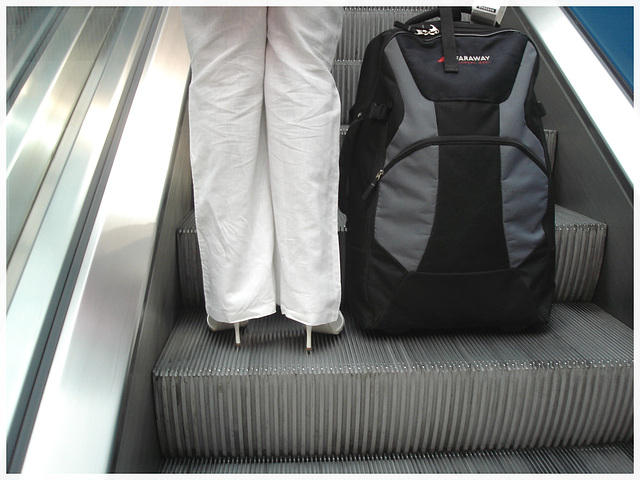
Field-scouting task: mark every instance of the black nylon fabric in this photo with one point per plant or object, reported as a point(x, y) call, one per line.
point(448, 41)
point(464, 301)
point(468, 233)
point(460, 118)
point(487, 67)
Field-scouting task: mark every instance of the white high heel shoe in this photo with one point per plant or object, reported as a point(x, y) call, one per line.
point(216, 326)
point(333, 328)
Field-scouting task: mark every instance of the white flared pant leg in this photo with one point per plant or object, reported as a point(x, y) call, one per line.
point(303, 128)
point(234, 214)
point(266, 215)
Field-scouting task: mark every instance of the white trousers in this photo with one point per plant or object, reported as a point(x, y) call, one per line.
point(264, 117)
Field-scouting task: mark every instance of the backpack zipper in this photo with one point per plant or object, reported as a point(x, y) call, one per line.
point(452, 140)
point(461, 30)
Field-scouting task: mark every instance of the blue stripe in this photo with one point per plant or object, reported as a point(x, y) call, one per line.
point(611, 28)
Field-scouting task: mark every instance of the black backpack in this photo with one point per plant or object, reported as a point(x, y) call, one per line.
point(445, 181)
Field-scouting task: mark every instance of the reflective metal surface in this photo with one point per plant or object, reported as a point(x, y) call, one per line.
point(39, 268)
point(44, 106)
point(42, 77)
point(608, 106)
point(75, 428)
point(27, 28)
point(592, 174)
point(138, 444)
point(83, 133)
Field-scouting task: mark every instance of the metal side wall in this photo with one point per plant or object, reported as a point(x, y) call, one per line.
point(595, 161)
point(42, 272)
point(138, 449)
point(116, 316)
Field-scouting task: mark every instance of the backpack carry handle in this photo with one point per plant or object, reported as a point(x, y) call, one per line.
point(447, 16)
point(435, 13)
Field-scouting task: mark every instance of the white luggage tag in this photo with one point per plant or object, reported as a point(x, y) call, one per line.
point(487, 14)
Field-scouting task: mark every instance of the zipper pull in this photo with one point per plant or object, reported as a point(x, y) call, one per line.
point(431, 31)
point(373, 185)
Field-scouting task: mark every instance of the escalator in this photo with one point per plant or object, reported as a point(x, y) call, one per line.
point(121, 374)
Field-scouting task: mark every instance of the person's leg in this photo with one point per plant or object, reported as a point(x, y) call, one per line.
point(303, 128)
point(234, 215)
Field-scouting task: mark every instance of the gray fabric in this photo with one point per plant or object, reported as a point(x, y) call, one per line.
point(420, 120)
point(411, 190)
point(524, 202)
point(512, 121)
point(524, 185)
point(412, 187)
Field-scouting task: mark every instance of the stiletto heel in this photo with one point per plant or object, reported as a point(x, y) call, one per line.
point(236, 327)
point(333, 328)
point(216, 326)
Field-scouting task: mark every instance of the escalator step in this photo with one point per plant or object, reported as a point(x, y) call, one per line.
point(361, 24)
point(189, 262)
point(615, 458)
point(580, 245)
point(569, 383)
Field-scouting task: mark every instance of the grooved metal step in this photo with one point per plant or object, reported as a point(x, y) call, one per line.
point(580, 243)
point(569, 383)
point(579, 252)
point(361, 24)
point(615, 458)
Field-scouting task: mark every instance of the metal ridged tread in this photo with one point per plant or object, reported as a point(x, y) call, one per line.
point(361, 24)
point(569, 383)
point(616, 458)
point(580, 243)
